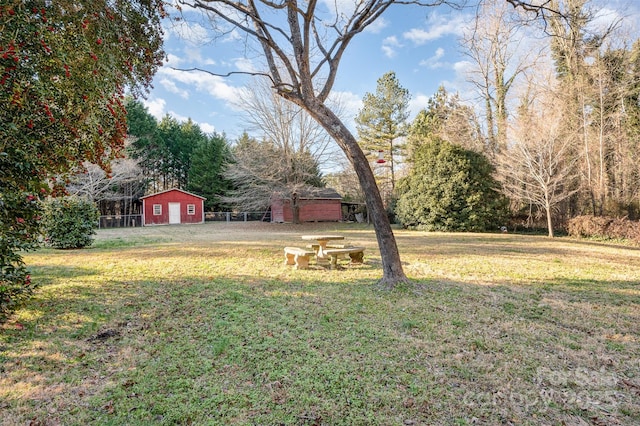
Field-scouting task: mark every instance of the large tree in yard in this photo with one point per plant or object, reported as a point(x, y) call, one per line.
point(64, 68)
point(302, 44)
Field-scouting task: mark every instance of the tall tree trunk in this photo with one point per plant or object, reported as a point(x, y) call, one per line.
point(391, 265)
point(295, 208)
point(547, 208)
point(491, 130)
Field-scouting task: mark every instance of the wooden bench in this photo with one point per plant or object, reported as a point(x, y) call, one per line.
point(355, 253)
point(297, 256)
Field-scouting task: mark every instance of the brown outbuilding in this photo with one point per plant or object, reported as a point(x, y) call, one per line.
point(318, 205)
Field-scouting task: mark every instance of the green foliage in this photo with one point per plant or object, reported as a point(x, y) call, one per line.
point(69, 222)
point(164, 150)
point(19, 225)
point(206, 178)
point(64, 66)
point(449, 189)
point(181, 339)
point(384, 114)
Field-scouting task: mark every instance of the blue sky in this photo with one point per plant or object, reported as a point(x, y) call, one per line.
point(419, 44)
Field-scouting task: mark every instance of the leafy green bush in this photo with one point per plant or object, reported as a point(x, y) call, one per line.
point(69, 222)
point(19, 223)
point(450, 188)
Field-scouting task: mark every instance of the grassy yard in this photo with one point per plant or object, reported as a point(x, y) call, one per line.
point(203, 324)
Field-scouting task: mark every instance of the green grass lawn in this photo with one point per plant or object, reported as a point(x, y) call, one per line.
point(203, 324)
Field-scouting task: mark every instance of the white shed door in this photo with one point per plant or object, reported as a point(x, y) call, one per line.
point(174, 213)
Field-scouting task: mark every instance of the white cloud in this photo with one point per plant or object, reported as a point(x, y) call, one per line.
point(191, 32)
point(378, 25)
point(462, 67)
point(171, 86)
point(417, 103)
point(340, 7)
point(234, 36)
point(178, 117)
point(207, 128)
point(155, 107)
point(173, 60)
point(215, 86)
point(389, 46)
point(193, 55)
point(244, 65)
point(346, 105)
point(434, 61)
point(438, 26)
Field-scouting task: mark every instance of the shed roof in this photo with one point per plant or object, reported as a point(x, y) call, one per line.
point(172, 189)
point(320, 194)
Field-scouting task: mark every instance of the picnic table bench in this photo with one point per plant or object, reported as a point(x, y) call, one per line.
point(297, 256)
point(355, 253)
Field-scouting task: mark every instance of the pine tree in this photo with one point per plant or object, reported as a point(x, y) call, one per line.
point(382, 126)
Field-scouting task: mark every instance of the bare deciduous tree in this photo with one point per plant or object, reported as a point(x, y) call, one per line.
point(537, 169)
point(499, 51)
point(124, 184)
point(285, 158)
point(288, 126)
point(303, 44)
point(261, 170)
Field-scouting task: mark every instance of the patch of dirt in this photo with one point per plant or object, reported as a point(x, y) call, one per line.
point(104, 335)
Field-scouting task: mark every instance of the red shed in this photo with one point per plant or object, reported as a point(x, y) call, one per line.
point(173, 206)
point(318, 205)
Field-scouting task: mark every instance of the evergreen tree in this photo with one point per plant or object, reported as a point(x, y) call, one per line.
point(206, 175)
point(382, 124)
point(163, 150)
point(449, 188)
point(145, 148)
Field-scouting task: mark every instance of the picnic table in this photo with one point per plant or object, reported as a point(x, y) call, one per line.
point(323, 240)
point(325, 254)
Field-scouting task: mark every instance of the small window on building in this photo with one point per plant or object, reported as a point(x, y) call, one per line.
point(191, 209)
point(157, 209)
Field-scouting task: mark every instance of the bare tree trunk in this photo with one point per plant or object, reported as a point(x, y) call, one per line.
point(295, 208)
point(391, 265)
point(587, 157)
point(547, 208)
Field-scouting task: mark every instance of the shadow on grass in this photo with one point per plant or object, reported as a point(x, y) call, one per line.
point(47, 274)
point(320, 347)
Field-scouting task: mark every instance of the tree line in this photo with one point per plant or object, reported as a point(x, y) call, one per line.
point(243, 174)
point(556, 123)
point(552, 134)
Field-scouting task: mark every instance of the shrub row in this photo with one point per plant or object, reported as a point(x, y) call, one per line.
point(604, 227)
